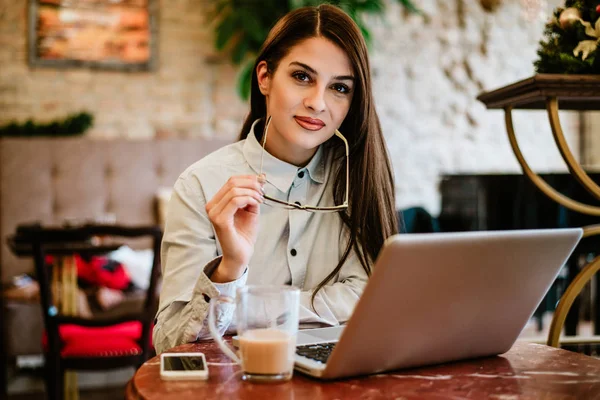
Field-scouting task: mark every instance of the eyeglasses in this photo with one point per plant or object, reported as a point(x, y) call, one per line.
point(270, 201)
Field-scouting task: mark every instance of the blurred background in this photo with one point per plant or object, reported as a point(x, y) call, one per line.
point(427, 70)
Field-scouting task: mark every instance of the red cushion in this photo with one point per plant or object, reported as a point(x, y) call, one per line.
point(101, 271)
point(101, 347)
point(109, 341)
point(131, 330)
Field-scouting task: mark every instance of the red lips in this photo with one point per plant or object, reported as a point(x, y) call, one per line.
point(312, 124)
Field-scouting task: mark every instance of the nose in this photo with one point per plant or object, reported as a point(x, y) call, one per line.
point(315, 99)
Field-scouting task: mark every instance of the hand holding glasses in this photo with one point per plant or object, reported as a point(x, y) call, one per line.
point(273, 202)
point(234, 211)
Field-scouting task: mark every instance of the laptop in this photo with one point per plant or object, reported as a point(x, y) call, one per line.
point(441, 297)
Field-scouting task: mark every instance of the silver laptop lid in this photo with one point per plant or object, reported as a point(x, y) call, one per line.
point(441, 297)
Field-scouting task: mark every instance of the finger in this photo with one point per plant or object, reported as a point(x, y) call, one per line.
point(247, 181)
point(241, 181)
point(253, 208)
point(235, 192)
point(240, 202)
point(218, 208)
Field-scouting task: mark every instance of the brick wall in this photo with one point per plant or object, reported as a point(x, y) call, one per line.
point(187, 94)
point(426, 78)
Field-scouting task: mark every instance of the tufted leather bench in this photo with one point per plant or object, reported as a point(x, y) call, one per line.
point(54, 180)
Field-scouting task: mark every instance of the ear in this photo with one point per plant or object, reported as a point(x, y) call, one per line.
point(264, 78)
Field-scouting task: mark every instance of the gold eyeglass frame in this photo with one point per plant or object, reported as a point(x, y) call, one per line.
point(293, 206)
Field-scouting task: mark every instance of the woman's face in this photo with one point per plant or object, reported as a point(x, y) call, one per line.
point(307, 98)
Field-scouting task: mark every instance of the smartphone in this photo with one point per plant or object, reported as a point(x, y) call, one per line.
point(183, 366)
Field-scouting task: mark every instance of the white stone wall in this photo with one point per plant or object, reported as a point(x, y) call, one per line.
point(426, 78)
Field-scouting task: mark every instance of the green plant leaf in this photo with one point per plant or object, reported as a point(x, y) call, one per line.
point(244, 81)
point(371, 6)
point(251, 26)
point(239, 51)
point(226, 30)
point(366, 34)
point(217, 9)
point(296, 4)
point(410, 6)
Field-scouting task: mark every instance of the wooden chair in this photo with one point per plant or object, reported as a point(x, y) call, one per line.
point(72, 343)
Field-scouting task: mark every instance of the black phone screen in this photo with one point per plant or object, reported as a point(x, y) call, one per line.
point(183, 363)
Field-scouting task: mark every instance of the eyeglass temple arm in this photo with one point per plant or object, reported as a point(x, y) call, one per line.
point(264, 141)
point(338, 134)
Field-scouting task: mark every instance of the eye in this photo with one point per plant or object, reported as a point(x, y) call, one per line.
point(340, 88)
point(301, 76)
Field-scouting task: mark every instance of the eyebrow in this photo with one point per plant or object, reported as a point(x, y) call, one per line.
point(313, 71)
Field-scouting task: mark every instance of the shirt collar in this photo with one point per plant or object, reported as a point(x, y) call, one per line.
point(280, 173)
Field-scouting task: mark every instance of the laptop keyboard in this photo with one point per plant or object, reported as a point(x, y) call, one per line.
point(319, 352)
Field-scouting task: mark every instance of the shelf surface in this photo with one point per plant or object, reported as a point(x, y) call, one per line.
point(574, 92)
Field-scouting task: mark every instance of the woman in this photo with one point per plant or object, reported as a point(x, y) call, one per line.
point(285, 213)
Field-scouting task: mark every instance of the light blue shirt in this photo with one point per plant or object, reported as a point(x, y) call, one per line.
point(293, 247)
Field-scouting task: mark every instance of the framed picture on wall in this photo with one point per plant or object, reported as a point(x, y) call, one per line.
point(102, 34)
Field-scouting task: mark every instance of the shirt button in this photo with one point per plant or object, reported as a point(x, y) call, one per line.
point(293, 252)
point(301, 174)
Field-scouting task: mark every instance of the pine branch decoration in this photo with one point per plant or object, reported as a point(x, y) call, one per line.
point(75, 124)
point(558, 52)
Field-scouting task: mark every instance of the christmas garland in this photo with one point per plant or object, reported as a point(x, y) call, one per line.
point(75, 124)
point(572, 44)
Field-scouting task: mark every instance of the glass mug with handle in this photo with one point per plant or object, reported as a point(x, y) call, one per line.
point(266, 319)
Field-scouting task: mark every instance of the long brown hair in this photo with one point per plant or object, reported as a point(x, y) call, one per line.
point(371, 215)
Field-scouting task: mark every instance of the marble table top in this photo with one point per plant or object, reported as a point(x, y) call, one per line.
point(527, 371)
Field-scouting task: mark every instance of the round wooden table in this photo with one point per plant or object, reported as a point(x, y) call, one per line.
point(527, 371)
